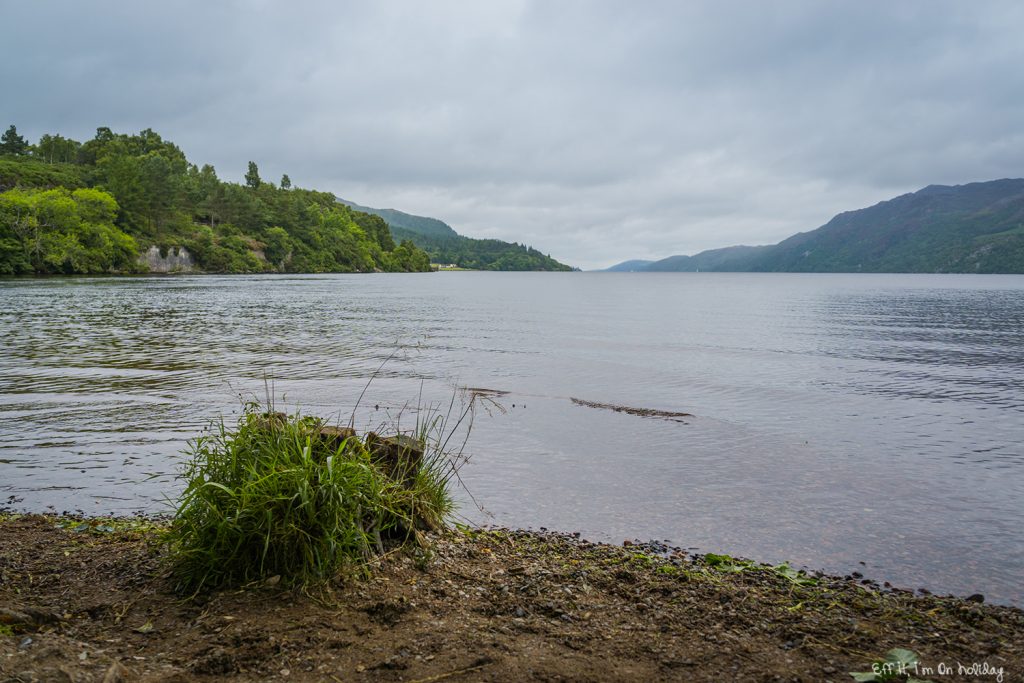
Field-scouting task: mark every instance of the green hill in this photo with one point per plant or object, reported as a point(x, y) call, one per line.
point(728, 258)
point(419, 225)
point(973, 228)
point(97, 207)
point(446, 246)
point(631, 266)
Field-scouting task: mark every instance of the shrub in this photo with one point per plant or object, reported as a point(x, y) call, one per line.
point(283, 496)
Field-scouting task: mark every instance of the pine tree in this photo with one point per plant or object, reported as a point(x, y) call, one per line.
point(252, 177)
point(12, 143)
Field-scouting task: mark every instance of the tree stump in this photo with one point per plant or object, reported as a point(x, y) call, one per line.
point(398, 456)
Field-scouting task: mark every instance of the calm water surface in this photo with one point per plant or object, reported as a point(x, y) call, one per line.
point(837, 419)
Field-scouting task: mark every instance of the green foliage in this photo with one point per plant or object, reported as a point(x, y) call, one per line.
point(418, 225)
point(375, 227)
point(164, 200)
point(275, 497)
point(26, 172)
point(796, 576)
point(475, 254)
point(286, 182)
point(445, 246)
point(54, 149)
point(252, 177)
point(727, 563)
point(12, 143)
point(61, 231)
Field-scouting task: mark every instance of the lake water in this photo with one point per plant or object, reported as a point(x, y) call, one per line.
point(836, 419)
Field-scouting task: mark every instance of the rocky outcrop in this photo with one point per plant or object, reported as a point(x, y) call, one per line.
point(174, 260)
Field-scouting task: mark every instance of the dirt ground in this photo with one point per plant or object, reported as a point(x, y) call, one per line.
point(90, 601)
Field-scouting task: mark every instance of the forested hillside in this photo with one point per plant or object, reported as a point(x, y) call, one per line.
point(973, 228)
point(68, 207)
point(400, 220)
point(728, 258)
point(446, 246)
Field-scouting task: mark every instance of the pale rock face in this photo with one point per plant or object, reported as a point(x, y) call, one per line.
point(178, 260)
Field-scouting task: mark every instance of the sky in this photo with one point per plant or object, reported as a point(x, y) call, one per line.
point(594, 131)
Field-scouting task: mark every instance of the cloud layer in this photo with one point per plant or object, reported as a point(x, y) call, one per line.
point(593, 131)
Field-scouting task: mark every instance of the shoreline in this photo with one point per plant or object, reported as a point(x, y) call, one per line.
point(475, 604)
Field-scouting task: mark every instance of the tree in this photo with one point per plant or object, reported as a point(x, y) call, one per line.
point(277, 245)
point(57, 149)
point(286, 182)
point(92, 150)
point(60, 231)
point(12, 143)
point(252, 176)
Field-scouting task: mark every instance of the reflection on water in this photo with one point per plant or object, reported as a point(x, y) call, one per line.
point(836, 419)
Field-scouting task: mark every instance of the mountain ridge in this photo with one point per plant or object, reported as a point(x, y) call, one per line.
point(423, 225)
point(970, 228)
point(446, 246)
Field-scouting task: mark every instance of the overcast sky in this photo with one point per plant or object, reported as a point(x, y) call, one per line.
point(595, 131)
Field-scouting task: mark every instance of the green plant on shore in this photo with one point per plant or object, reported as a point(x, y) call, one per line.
point(729, 564)
point(794, 576)
point(275, 497)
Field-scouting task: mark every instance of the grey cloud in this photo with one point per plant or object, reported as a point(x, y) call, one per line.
point(596, 131)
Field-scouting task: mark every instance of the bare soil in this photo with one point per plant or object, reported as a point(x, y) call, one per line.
point(95, 604)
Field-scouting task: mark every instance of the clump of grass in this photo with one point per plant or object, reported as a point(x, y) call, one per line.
point(275, 497)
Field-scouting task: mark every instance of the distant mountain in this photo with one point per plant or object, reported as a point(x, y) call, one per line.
point(629, 266)
point(727, 258)
point(973, 228)
point(446, 246)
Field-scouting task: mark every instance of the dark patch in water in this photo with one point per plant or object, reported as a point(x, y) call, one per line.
point(642, 412)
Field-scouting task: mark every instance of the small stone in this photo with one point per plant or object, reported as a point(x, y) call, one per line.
point(23, 645)
point(285, 672)
point(976, 597)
